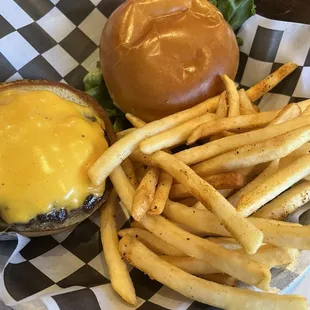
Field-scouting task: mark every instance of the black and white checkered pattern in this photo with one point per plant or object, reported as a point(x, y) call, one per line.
point(58, 40)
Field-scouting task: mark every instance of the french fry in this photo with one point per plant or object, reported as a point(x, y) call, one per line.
point(199, 205)
point(199, 289)
point(190, 264)
point(270, 81)
point(277, 233)
point(182, 214)
point(199, 153)
point(273, 256)
point(284, 234)
point(286, 203)
point(119, 274)
point(244, 111)
point(245, 102)
point(290, 111)
point(122, 148)
point(174, 136)
point(123, 133)
point(227, 242)
point(307, 111)
point(274, 186)
point(130, 172)
point(254, 273)
point(220, 278)
point(222, 109)
point(256, 108)
point(303, 150)
point(226, 192)
point(162, 193)
point(256, 153)
point(270, 170)
point(220, 181)
point(232, 96)
point(135, 121)
point(189, 201)
point(221, 112)
point(240, 266)
point(248, 236)
point(145, 194)
point(237, 123)
point(155, 244)
point(269, 255)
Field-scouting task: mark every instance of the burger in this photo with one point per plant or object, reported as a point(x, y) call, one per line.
point(51, 134)
point(160, 57)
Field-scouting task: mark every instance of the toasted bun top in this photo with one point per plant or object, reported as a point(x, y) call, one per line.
point(162, 56)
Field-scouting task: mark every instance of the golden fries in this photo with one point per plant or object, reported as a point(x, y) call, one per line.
point(270, 81)
point(237, 123)
point(162, 193)
point(145, 194)
point(284, 234)
point(254, 154)
point(270, 170)
point(221, 112)
point(231, 123)
point(197, 154)
point(222, 109)
point(273, 256)
point(254, 273)
point(184, 215)
point(240, 267)
point(274, 186)
point(290, 111)
point(242, 230)
point(249, 165)
point(135, 121)
point(230, 180)
point(174, 136)
point(130, 172)
point(119, 274)
point(204, 223)
point(190, 264)
point(123, 133)
point(155, 244)
point(286, 203)
point(232, 96)
point(245, 102)
point(268, 255)
point(201, 290)
point(303, 150)
point(120, 150)
point(307, 111)
point(219, 278)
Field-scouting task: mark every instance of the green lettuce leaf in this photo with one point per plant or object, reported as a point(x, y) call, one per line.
point(94, 85)
point(235, 12)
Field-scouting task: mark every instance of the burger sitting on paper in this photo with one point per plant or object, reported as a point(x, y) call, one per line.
point(155, 62)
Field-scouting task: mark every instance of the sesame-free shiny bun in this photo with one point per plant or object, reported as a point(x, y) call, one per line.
point(162, 56)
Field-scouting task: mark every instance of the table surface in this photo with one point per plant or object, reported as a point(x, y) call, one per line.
point(286, 10)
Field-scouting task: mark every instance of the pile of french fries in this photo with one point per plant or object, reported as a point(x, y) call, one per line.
point(213, 213)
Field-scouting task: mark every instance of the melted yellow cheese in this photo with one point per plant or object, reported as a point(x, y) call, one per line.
point(47, 146)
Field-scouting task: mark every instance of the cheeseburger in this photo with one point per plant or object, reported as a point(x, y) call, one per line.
point(51, 134)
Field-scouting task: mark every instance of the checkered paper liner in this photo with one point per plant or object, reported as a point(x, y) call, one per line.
point(58, 40)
